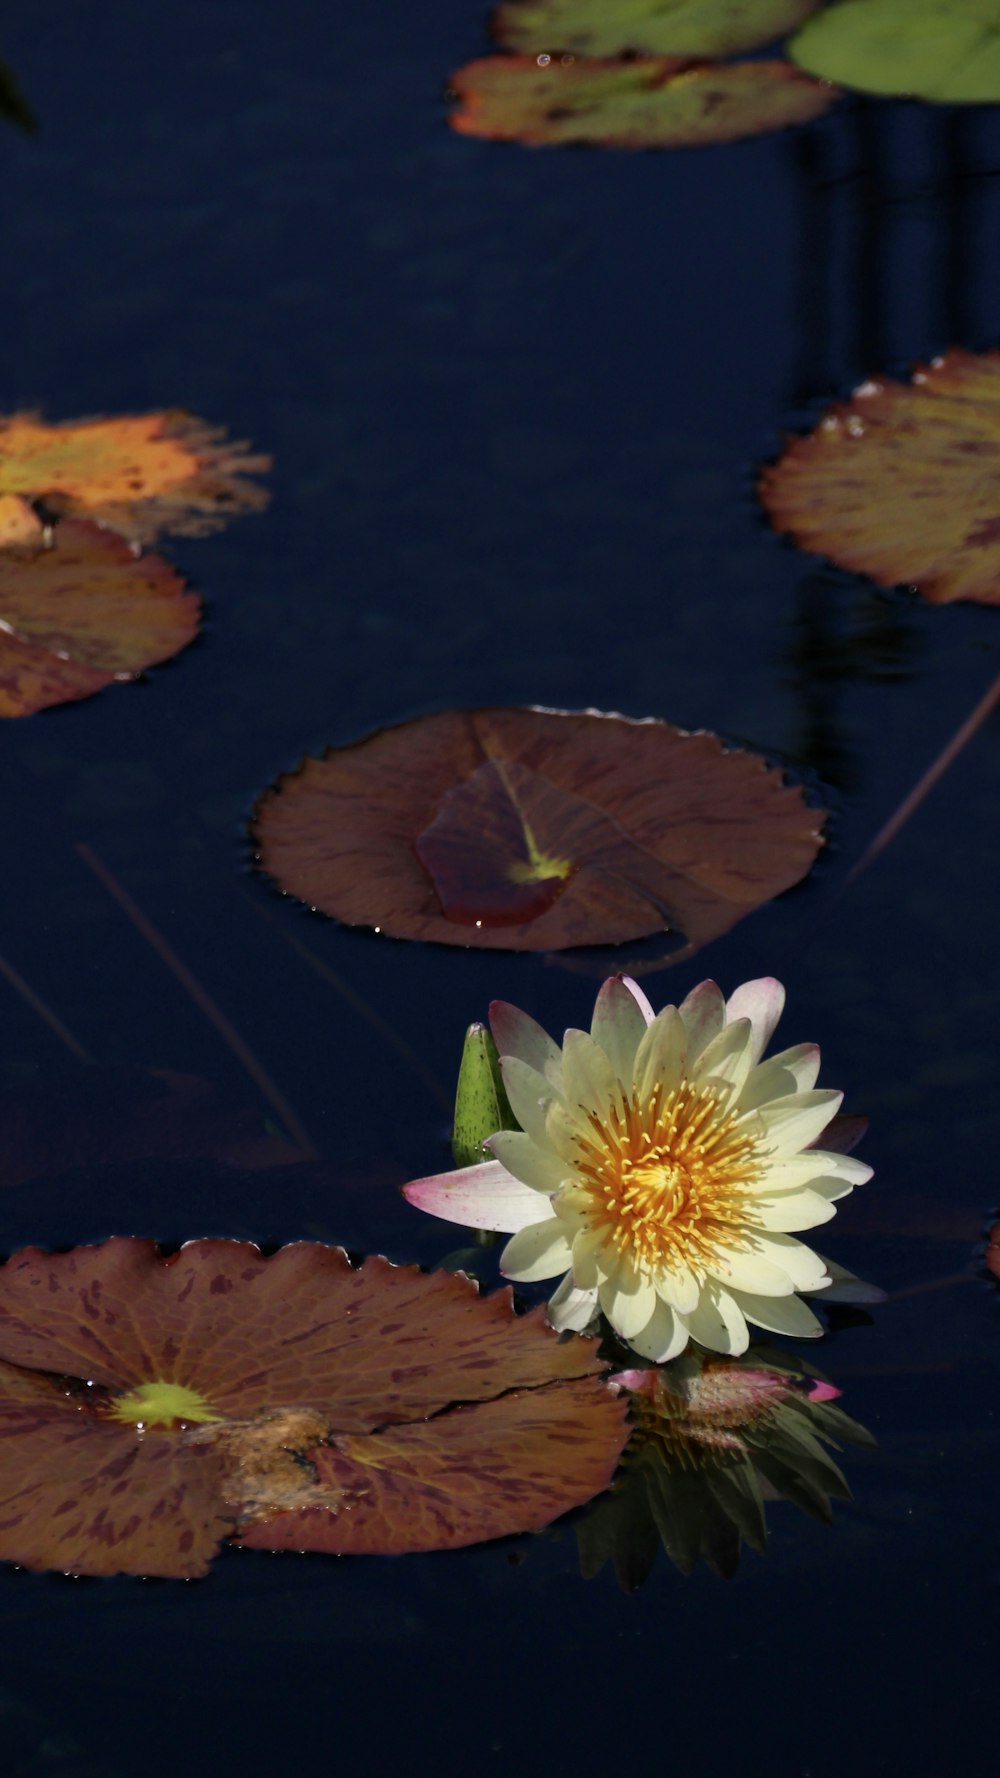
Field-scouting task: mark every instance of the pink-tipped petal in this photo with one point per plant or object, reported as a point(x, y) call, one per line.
point(641, 1000)
point(762, 1002)
point(485, 1196)
point(619, 1023)
point(818, 1391)
point(516, 1033)
point(704, 1014)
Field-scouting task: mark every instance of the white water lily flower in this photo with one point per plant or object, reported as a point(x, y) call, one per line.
point(662, 1166)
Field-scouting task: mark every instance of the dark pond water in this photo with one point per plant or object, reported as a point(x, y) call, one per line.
point(515, 401)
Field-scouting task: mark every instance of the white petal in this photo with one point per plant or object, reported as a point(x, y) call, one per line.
point(830, 1189)
point(530, 1096)
point(515, 1033)
point(485, 1196)
point(537, 1167)
point(718, 1322)
point(619, 1024)
point(791, 1172)
point(571, 1308)
point(661, 1056)
point(640, 999)
point(762, 1002)
point(793, 1071)
point(804, 1267)
point(728, 1058)
point(589, 1078)
point(783, 1314)
point(628, 1301)
point(679, 1287)
point(792, 1123)
point(704, 1014)
point(539, 1251)
point(594, 1259)
point(664, 1336)
point(750, 1270)
point(804, 1209)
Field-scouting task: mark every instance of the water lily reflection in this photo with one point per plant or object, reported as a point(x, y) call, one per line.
point(712, 1439)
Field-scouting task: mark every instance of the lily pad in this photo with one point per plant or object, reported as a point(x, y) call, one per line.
point(83, 611)
point(151, 1407)
point(536, 830)
point(902, 482)
point(944, 50)
point(645, 27)
point(656, 102)
point(141, 474)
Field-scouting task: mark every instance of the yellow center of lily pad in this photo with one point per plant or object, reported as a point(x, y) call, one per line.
point(163, 1404)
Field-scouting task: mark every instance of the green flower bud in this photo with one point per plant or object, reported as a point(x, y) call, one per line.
point(481, 1104)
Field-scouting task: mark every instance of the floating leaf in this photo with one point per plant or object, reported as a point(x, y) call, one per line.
point(993, 1250)
point(901, 482)
point(140, 473)
point(711, 1436)
point(151, 1407)
point(536, 830)
point(659, 102)
point(19, 523)
point(645, 27)
point(83, 612)
point(948, 50)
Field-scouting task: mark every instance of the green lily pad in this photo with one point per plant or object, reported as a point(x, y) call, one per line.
point(944, 50)
point(647, 27)
point(657, 102)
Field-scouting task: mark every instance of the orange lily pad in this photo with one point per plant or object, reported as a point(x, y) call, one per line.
point(19, 522)
point(151, 1407)
point(901, 482)
point(655, 102)
point(141, 474)
point(82, 612)
point(646, 27)
point(535, 830)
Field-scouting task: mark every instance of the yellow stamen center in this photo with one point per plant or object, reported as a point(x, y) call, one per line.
point(666, 1181)
point(162, 1404)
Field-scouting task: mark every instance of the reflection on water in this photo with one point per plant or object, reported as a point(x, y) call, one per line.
point(713, 1438)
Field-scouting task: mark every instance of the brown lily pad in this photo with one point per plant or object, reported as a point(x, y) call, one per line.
point(536, 830)
point(654, 102)
point(83, 610)
point(646, 27)
point(902, 482)
point(151, 1407)
point(141, 474)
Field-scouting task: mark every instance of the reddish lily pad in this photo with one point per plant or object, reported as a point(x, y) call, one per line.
point(646, 27)
point(82, 611)
point(151, 1407)
point(901, 482)
point(139, 473)
point(536, 830)
point(654, 102)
